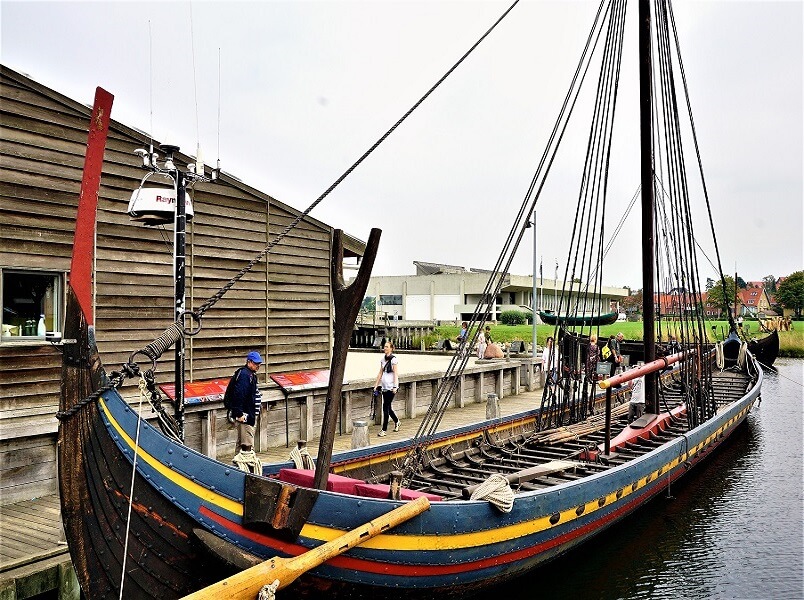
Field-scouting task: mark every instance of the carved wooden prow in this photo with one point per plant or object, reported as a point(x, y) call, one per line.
point(348, 300)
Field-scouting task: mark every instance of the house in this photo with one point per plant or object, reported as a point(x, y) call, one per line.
point(753, 302)
point(451, 293)
point(282, 308)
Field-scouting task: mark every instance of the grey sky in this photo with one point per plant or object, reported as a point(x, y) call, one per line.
point(307, 87)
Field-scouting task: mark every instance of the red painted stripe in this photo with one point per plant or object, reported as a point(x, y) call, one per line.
point(84, 242)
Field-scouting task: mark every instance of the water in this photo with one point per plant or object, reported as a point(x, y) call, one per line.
point(733, 528)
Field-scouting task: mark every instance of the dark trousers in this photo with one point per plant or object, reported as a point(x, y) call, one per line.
point(387, 411)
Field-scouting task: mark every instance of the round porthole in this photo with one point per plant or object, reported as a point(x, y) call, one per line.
point(633, 486)
point(555, 518)
point(580, 510)
point(619, 493)
point(601, 502)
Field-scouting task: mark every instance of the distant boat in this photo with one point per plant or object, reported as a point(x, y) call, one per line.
point(765, 349)
point(506, 495)
point(552, 318)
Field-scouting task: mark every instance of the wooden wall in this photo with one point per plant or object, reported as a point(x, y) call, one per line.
point(282, 308)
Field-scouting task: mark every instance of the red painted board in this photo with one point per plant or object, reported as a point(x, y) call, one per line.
point(84, 241)
point(198, 391)
point(301, 380)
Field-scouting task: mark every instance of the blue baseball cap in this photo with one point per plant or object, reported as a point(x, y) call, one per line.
point(254, 357)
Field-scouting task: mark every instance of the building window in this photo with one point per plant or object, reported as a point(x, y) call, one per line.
point(393, 300)
point(32, 304)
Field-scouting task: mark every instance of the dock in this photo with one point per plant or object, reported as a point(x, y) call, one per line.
point(34, 558)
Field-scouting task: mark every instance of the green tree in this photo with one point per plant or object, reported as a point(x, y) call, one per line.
point(716, 295)
point(770, 283)
point(513, 317)
point(741, 284)
point(790, 292)
point(710, 283)
point(369, 304)
point(633, 303)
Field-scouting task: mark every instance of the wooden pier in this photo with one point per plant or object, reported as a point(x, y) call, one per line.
point(33, 553)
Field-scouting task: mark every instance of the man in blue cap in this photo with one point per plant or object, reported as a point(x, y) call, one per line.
point(244, 409)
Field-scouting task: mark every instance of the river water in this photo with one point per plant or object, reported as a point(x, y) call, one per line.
point(732, 529)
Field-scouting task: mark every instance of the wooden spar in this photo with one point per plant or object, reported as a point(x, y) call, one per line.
point(651, 367)
point(84, 241)
point(347, 300)
point(646, 178)
point(247, 584)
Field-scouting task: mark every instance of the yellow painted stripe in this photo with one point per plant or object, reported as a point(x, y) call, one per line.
point(204, 494)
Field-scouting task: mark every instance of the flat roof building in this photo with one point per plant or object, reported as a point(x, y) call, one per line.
point(451, 293)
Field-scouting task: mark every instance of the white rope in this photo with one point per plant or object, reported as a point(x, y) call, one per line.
point(143, 394)
point(496, 490)
point(301, 458)
point(720, 359)
point(742, 354)
point(248, 461)
point(268, 591)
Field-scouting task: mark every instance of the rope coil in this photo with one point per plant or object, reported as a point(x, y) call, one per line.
point(301, 458)
point(497, 491)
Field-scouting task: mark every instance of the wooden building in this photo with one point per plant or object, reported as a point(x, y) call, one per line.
point(282, 308)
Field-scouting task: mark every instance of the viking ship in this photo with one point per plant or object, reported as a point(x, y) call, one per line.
point(147, 517)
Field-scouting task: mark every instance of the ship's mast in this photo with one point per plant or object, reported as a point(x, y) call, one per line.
point(648, 229)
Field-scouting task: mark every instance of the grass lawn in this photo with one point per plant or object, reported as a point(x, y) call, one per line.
point(791, 342)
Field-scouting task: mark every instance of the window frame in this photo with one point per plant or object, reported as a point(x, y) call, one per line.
point(59, 302)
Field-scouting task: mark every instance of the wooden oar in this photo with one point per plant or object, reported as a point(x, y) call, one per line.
point(247, 584)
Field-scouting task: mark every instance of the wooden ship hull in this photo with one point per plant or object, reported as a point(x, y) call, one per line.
point(147, 517)
point(567, 493)
point(765, 349)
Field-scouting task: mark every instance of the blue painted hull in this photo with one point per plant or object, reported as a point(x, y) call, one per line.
point(453, 546)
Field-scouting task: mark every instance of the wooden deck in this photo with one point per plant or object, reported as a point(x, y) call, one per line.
point(33, 554)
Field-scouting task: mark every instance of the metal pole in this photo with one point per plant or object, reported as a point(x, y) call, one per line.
point(180, 244)
point(535, 287)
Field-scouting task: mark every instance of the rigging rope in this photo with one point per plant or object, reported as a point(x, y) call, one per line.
point(173, 333)
point(449, 382)
point(143, 394)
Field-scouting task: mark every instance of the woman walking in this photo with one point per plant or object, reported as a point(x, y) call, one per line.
point(389, 378)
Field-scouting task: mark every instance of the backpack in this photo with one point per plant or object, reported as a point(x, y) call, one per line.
point(606, 352)
point(227, 395)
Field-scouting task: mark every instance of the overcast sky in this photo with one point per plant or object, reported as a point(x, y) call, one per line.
point(307, 87)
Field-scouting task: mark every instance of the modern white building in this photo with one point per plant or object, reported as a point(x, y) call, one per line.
point(451, 293)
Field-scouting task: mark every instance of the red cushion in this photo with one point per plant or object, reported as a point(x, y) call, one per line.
point(381, 490)
point(305, 478)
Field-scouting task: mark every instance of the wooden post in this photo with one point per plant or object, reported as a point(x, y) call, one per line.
point(346, 417)
point(499, 386)
point(458, 399)
point(306, 417)
point(347, 300)
point(410, 401)
point(479, 388)
point(209, 441)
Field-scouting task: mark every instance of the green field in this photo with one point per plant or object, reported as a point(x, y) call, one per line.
point(791, 343)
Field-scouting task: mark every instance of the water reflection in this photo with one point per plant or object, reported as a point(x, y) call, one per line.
point(731, 528)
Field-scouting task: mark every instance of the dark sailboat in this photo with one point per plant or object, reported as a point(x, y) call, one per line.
point(148, 515)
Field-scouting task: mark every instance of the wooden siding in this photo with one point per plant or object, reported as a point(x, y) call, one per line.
point(282, 308)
